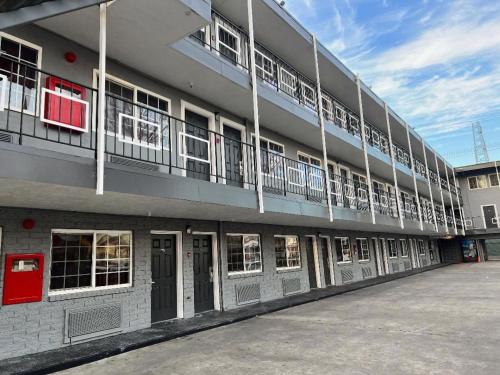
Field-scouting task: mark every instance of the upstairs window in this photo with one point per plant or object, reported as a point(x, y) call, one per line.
point(228, 43)
point(478, 182)
point(287, 252)
point(18, 63)
point(244, 253)
point(264, 67)
point(493, 180)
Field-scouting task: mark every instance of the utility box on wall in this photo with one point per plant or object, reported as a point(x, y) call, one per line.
point(23, 278)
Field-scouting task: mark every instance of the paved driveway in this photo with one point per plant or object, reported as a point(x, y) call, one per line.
point(445, 321)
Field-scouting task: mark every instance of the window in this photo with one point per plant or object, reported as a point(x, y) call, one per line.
point(90, 259)
point(200, 36)
point(308, 95)
point(340, 116)
point(421, 247)
point(243, 253)
point(478, 182)
point(493, 180)
point(228, 43)
point(136, 115)
point(360, 187)
point(327, 108)
point(271, 157)
point(393, 250)
point(18, 62)
point(288, 82)
point(404, 248)
point(312, 169)
point(287, 252)
point(343, 249)
point(264, 67)
point(363, 250)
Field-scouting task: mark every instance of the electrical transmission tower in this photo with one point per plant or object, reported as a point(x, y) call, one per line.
point(480, 149)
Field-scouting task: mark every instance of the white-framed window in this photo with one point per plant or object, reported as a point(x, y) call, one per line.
point(363, 249)
point(244, 254)
point(288, 82)
point(493, 180)
point(227, 42)
point(264, 66)
point(24, 80)
point(404, 248)
point(327, 107)
point(421, 247)
point(354, 125)
point(360, 187)
point(287, 251)
point(478, 182)
point(136, 115)
point(340, 116)
point(90, 259)
point(272, 157)
point(308, 94)
point(343, 249)
point(311, 167)
point(393, 250)
point(384, 144)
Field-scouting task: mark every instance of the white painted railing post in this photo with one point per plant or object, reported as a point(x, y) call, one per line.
point(419, 209)
point(451, 200)
point(393, 163)
point(459, 205)
point(365, 150)
point(441, 193)
point(101, 126)
point(429, 184)
point(253, 73)
point(322, 127)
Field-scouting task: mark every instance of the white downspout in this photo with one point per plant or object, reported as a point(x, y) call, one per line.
point(101, 100)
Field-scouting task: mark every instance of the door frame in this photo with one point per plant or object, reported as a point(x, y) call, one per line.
point(243, 130)
point(330, 259)
point(319, 284)
point(215, 267)
point(381, 272)
point(187, 106)
point(385, 255)
point(179, 268)
point(484, 217)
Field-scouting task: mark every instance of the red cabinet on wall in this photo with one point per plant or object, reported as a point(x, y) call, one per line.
point(65, 104)
point(23, 278)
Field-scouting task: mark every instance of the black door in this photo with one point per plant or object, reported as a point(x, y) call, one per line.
point(233, 155)
point(326, 262)
point(311, 269)
point(163, 274)
point(489, 214)
point(197, 126)
point(202, 270)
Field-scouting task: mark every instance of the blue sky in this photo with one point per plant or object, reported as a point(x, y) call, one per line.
point(435, 62)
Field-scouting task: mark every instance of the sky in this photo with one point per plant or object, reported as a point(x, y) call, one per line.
point(435, 62)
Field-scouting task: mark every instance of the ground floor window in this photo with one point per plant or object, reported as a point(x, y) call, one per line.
point(343, 249)
point(393, 250)
point(243, 253)
point(287, 252)
point(404, 248)
point(90, 259)
point(421, 248)
point(363, 250)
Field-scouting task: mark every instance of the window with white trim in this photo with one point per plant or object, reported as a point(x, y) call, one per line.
point(363, 249)
point(478, 182)
point(228, 43)
point(393, 250)
point(264, 66)
point(308, 95)
point(343, 249)
point(421, 247)
point(288, 82)
point(244, 254)
point(360, 187)
point(493, 180)
point(287, 251)
point(404, 248)
point(272, 155)
point(90, 260)
point(327, 108)
point(311, 167)
point(23, 79)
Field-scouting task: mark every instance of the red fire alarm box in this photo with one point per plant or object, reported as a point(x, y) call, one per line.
point(23, 278)
point(65, 104)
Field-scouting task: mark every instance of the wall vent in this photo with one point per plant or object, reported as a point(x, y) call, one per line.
point(395, 267)
point(407, 265)
point(347, 275)
point(248, 293)
point(5, 137)
point(134, 163)
point(291, 286)
point(367, 272)
point(84, 324)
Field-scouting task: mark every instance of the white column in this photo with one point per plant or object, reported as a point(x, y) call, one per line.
point(451, 200)
point(393, 162)
point(101, 100)
point(441, 193)
point(322, 127)
point(498, 175)
point(429, 184)
point(419, 210)
point(365, 151)
point(255, 106)
point(459, 205)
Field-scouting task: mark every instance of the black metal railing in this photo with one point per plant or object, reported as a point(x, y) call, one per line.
point(385, 203)
point(349, 193)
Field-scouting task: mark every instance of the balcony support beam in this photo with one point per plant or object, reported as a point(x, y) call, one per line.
point(441, 193)
point(101, 100)
point(451, 200)
point(419, 209)
point(458, 203)
point(322, 127)
point(393, 163)
point(253, 73)
point(429, 184)
point(365, 150)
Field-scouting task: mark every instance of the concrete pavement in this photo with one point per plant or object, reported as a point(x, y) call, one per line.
point(445, 321)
